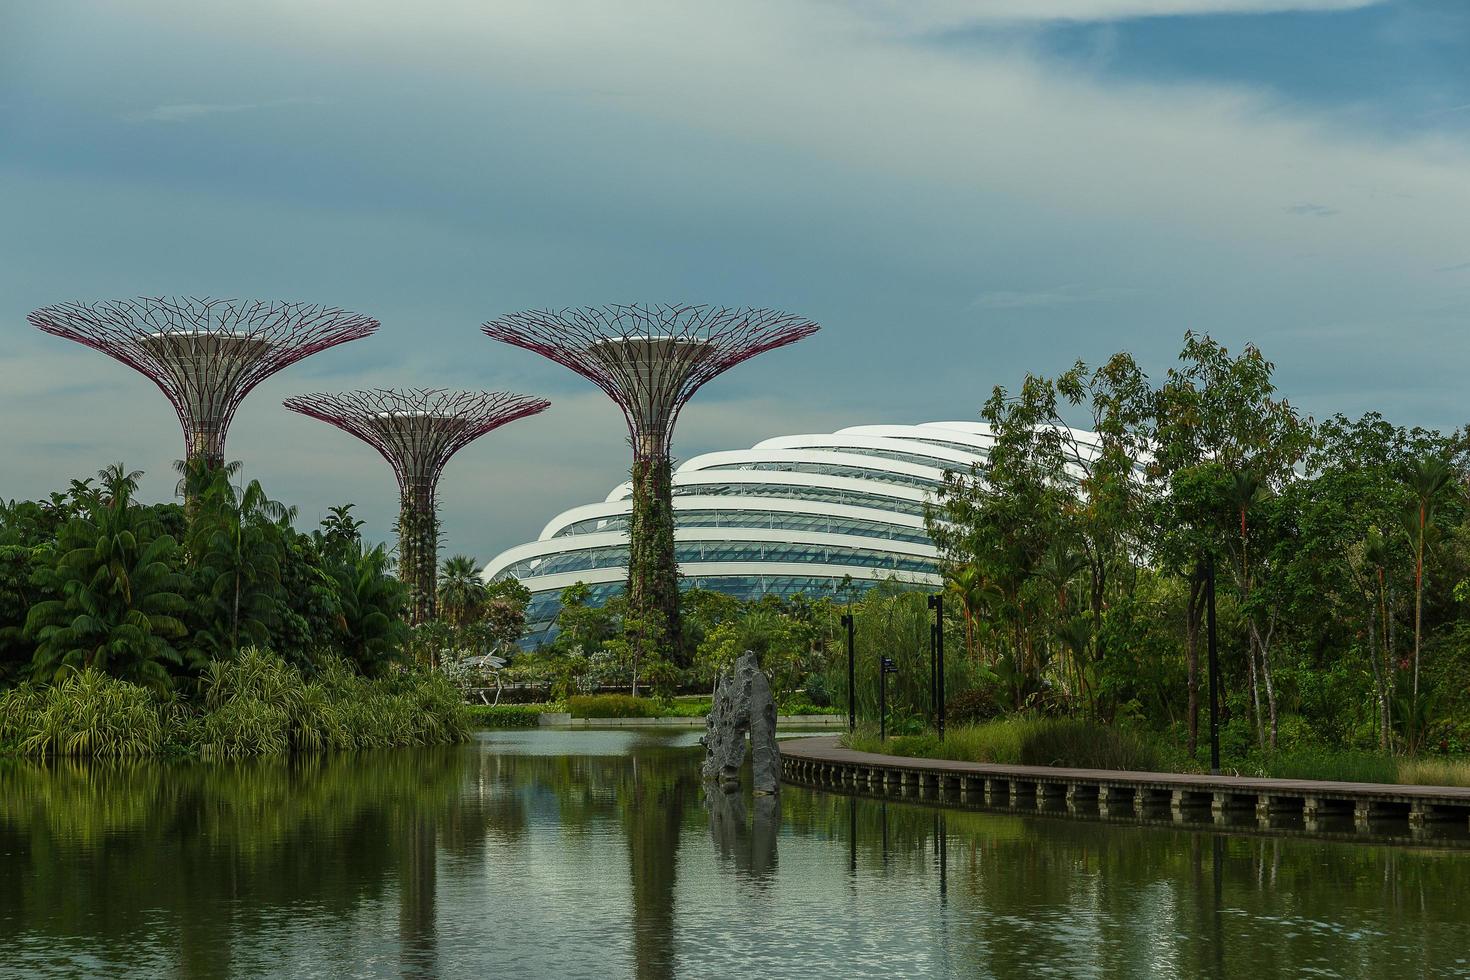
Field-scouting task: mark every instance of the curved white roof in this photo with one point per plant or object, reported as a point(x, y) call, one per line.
point(794, 513)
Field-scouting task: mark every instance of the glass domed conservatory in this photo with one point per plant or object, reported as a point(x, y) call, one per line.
point(792, 514)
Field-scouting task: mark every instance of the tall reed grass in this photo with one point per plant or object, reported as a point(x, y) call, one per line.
point(1024, 741)
point(254, 704)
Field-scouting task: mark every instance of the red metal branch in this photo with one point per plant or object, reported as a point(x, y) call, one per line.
point(650, 359)
point(204, 354)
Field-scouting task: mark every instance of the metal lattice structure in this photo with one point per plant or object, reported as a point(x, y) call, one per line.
point(651, 360)
point(204, 354)
point(417, 430)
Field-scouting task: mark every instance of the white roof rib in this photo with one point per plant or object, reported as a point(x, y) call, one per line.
point(792, 478)
point(734, 505)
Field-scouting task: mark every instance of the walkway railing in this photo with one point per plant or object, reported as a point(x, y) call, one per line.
point(1380, 810)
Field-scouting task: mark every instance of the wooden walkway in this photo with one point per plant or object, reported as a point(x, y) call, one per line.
point(1269, 803)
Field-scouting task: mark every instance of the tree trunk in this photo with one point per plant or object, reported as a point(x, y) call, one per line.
point(1264, 645)
point(1192, 611)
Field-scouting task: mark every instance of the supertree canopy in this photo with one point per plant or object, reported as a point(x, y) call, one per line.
point(651, 360)
point(417, 431)
point(204, 354)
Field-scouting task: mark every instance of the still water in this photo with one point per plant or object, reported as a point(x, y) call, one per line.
point(596, 854)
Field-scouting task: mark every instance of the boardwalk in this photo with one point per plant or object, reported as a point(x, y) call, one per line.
point(1270, 803)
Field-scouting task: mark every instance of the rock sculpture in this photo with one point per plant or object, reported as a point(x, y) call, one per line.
point(743, 705)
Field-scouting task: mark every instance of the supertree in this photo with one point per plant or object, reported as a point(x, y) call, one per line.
point(204, 354)
point(651, 360)
point(417, 431)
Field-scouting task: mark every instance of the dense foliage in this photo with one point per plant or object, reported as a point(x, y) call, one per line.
point(131, 629)
point(1338, 548)
point(252, 704)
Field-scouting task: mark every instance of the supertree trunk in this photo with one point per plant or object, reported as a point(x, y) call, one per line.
point(418, 552)
point(653, 572)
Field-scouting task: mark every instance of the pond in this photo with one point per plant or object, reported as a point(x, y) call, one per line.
point(595, 853)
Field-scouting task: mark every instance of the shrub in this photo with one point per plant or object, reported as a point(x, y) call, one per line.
point(1085, 745)
point(1435, 772)
point(1024, 741)
point(87, 714)
point(612, 706)
point(975, 705)
point(506, 715)
point(1313, 763)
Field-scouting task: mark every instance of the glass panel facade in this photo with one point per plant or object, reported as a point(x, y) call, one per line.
point(614, 556)
point(769, 519)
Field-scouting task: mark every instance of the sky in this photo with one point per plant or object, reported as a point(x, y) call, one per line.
point(959, 191)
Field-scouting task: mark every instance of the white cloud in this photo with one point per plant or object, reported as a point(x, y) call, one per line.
point(190, 111)
point(930, 14)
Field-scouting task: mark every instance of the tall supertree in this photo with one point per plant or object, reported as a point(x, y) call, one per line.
point(651, 360)
point(204, 354)
point(417, 431)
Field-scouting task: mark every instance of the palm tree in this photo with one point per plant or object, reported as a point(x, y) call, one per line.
point(236, 542)
point(461, 591)
point(1430, 480)
point(372, 604)
point(119, 586)
point(967, 583)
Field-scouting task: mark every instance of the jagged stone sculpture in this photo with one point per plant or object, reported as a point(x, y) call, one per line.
point(743, 705)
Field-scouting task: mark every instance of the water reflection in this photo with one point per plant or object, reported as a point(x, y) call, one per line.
point(597, 853)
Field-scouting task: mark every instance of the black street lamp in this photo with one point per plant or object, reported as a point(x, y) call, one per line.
point(936, 661)
point(851, 675)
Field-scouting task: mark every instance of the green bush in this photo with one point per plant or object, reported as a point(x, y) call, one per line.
point(1315, 763)
point(254, 704)
point(506, 715)
point(1023, 741)
point(1085, 745)
point(975, 705)
point(86, 714)
point(613, 706)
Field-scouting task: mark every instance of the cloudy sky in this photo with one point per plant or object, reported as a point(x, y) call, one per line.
point(959, 191)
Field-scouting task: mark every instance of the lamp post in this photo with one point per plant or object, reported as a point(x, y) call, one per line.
point(1214, 665)
point(851, 675)
point(886, 666)
point(936, 661)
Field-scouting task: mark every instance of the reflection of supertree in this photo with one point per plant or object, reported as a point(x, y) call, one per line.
point(651, 360)
point(204, 354)
point(417, 431)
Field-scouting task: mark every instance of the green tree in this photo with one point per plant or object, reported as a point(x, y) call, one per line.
point(236, 546)
point(119, 590)
point(1430, 481)
point(462, 595)
point(371, 627)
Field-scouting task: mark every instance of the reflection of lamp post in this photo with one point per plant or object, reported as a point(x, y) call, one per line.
point(886, 666)
point(936, 661)
point(851, 676)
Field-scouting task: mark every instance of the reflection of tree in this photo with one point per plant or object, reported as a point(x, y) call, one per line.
point(1033, 895)
point(184, 843)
